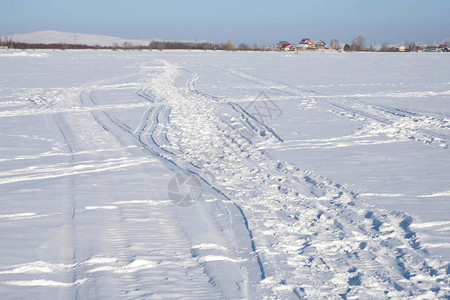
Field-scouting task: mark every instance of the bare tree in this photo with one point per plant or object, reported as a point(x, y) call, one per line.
point(384, 47)
point(5, 41)
point(126, 45)
point(358, 44)
point(412, 47)
point(229, 46)
point(243, 47)
point(406, 44)
point(334, 44)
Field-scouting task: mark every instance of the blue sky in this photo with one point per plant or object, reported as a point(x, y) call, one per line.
point(251, 21)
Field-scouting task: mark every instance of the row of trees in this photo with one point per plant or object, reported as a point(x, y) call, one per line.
point(153, 45)
point(229, 46)
point(409, 46)
point(359, 44)
point(5, 41)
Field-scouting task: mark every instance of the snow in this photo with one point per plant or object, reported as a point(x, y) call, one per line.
point(331, 182)
point(57, 37)
point(23, 53)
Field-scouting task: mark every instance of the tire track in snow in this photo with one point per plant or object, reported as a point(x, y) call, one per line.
point(153, 255)
point(151, 135)
point(315, 238)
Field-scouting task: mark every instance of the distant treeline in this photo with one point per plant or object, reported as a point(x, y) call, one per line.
point(154, 45)
point(357, 44)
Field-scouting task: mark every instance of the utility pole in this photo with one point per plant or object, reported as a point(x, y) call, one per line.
point(75, 41)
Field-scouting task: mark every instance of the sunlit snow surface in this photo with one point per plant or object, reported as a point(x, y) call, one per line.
point(317, 175)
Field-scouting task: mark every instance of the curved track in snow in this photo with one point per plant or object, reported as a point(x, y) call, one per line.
point(381, 119)
point(263, 228)
point(313, 236)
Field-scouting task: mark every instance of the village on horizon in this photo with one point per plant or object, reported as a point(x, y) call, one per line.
point(67, 41)
point(357, 44)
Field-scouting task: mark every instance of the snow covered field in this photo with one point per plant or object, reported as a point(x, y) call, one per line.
point(192, 175)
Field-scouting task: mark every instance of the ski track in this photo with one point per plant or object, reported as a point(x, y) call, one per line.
point(334, 245)
point(279, 231)
point(150, 256)
point(151, 136)
point(380, 119)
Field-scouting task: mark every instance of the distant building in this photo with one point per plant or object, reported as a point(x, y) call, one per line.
point(289, 47)
point(431, 48)
point(306, 44)
point(443, 48)
point(3, 47)
point(320, 45)
point(402, 49)
point(281, 45)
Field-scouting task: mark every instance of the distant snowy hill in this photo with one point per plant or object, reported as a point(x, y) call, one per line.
point(49, 37)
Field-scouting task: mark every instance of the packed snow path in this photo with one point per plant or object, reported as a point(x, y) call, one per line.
point(306, 229)
point(262, 228)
